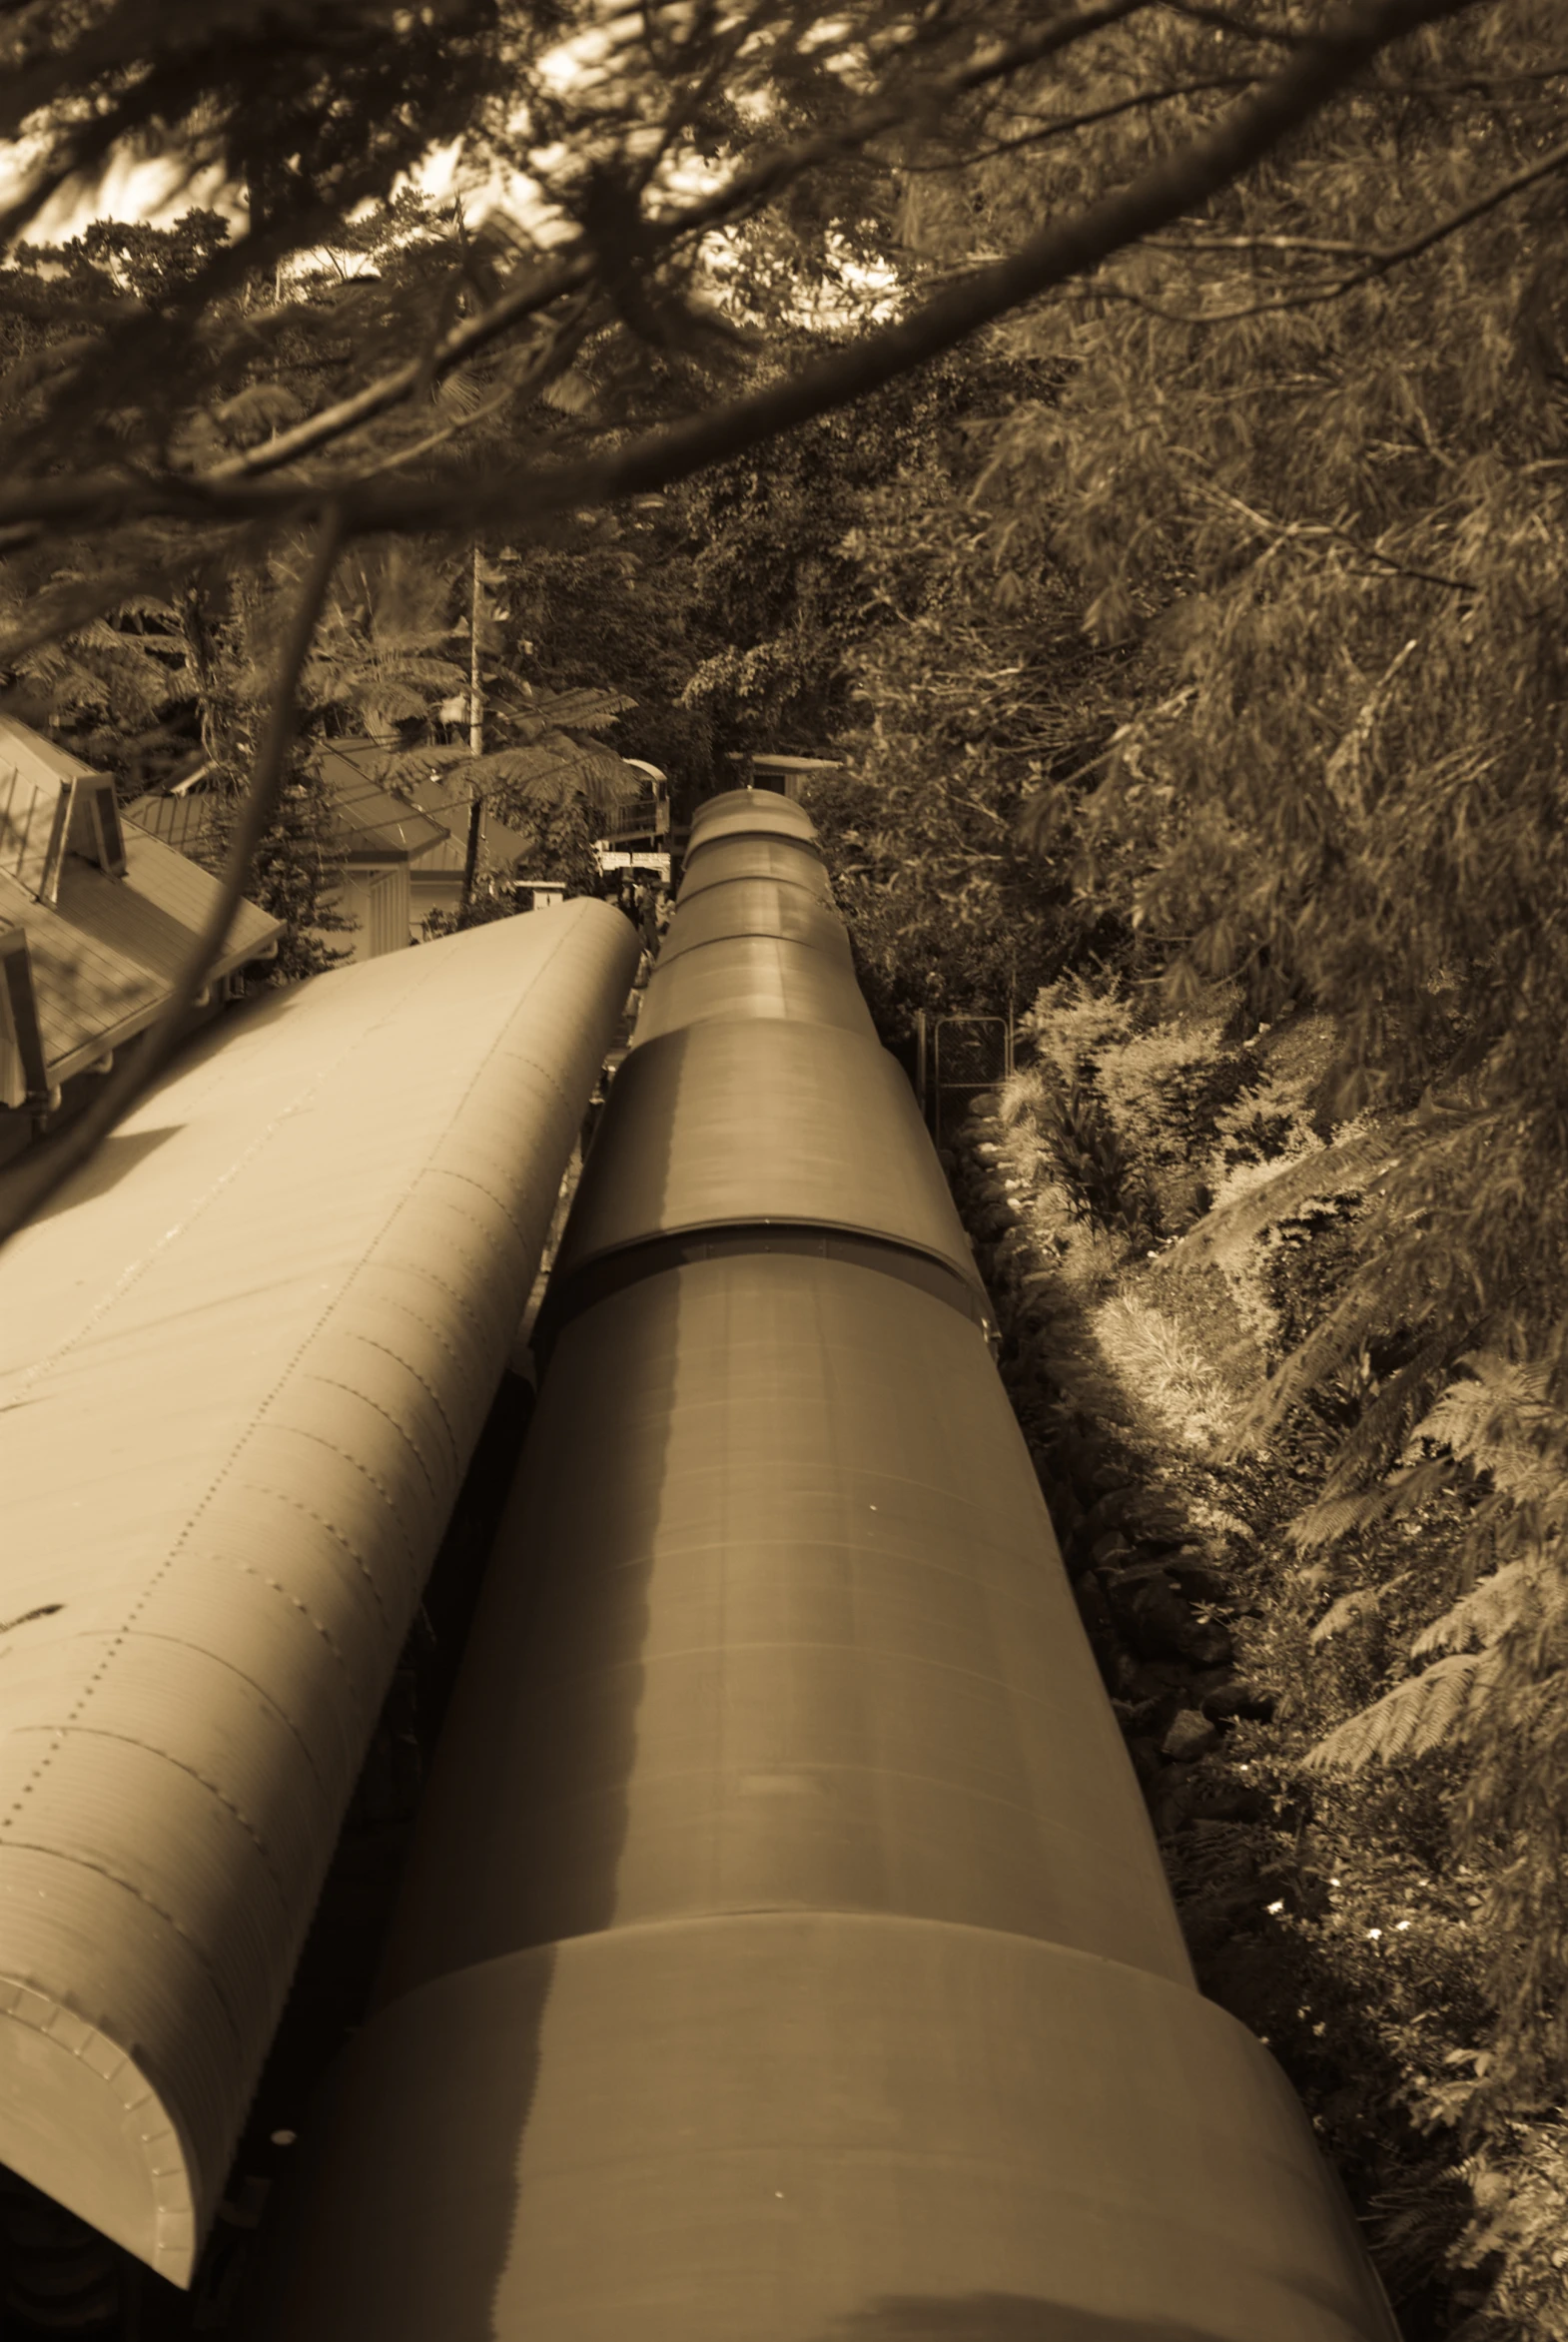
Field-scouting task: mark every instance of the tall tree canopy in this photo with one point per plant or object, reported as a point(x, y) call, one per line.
point(171, 427)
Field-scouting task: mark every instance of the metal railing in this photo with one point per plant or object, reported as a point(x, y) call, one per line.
point(647, 815)
point(967, 1055)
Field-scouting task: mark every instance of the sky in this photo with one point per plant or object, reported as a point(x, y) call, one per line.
point(153, 191)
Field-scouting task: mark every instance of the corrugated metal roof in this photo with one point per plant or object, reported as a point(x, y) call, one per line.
point(36, 757)
point(244, 1355)
point(445, 796)
point(369, 820)
point(106, 954)
point(368, 817)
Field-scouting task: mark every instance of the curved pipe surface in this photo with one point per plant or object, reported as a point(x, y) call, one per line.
point(749, 813)
point(743, 977)
point(245, 1356)
point(802, 2126)
point(809, 1645)
point(784, 1955)
point(733, 1122)
point(756, 906)
point(793, 862)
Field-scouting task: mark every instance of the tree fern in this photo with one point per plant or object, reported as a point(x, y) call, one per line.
point(1349, 1499)
point(1502, 1421)
point(1412, 1718)
point(1331, 1518)
point(1363, 1602)
point(1485, 1614)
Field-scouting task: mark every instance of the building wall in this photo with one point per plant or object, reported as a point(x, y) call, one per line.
point(389, 910)
point(432, 889)
point(377, 903)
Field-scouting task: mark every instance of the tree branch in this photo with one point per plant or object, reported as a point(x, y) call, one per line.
point(743, 193)
point(1162, 192)
point(1057, 125)
point(1295, 531)
point(131, 1080)
point(562, 346)
point(1380, 257)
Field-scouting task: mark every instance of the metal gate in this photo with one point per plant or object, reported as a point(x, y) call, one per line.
point(969, 1054)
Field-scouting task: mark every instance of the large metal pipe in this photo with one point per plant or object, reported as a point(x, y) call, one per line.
point(244, 1360)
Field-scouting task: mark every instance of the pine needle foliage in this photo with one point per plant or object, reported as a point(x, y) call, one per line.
point(1309, 474)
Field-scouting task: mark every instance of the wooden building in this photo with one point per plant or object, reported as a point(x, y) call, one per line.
point(384, 836)
point(97, 917)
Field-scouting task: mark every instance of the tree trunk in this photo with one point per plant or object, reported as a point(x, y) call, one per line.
point(476, 732)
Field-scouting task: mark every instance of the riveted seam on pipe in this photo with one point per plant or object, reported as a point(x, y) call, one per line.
point(129, 1740)
point(300, 1431)
point(81, 1862)
point(408, 1368)
point(290, 1595)
point(333, 1382)
point(181, 1643)
point(268, 1488)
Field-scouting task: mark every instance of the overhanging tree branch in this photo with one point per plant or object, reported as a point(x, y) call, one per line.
point(1378, 259)
point(1154, 199)
point(740, 196)
point(1059, 125)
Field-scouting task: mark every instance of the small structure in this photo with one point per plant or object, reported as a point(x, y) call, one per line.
point(636, 833)
point(787, 774)
point(435, 879)
point(385, 836)
point(382, 833)
point(97, 917)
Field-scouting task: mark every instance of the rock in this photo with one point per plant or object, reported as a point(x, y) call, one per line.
point(987, 1151)
point(1156, 1620)
point(1154, 1718)
point(1109, 1511)
point(1091, 1606)
point(1190, 1736)
point(1196, 1573)
point(1109, 1548)
point(1149, 1612)
point(1211, 1646)
point(1112, 1663)
point(1154, 1679)
point(1240, 1697)
point(1154, 1518)
point(1227, 1800)
point(1205, 1680)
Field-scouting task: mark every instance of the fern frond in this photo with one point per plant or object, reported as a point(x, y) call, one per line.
point(1501, 1423)
point(586, 709)
point(1308, 1179)
point(1331, 1519)
point(1485, 1614)
point(1344, 1612)
point(1325, 1352)
point(1410, 1718)
point(1385, 1420)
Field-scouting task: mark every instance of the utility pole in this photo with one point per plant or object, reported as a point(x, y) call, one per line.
point(475, 726)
